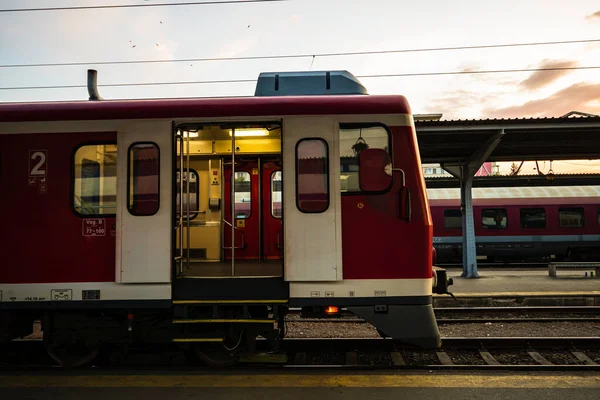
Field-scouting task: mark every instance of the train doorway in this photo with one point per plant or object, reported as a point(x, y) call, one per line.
point(228, 203)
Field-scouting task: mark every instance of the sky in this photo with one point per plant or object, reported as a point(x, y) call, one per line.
point(313, 27)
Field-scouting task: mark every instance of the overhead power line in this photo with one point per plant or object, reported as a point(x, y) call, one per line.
point(107, 6)
point(409, 74)
point(281, 56)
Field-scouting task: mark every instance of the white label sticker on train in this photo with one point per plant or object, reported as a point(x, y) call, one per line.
point(94, 226)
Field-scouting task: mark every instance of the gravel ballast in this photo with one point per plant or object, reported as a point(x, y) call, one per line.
point(487, 329)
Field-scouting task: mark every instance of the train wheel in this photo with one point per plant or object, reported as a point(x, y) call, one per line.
point(72, 354)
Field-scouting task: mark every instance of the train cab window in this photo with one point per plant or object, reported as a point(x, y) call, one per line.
point(312, 176)
point(276, 194)
point(570, 217)
point(243, 195)
point(143, 179)
point(95, 180)
point(494, 218)
point(452, 219)
point(194, 193)
point(354, 139)
point(533, 218)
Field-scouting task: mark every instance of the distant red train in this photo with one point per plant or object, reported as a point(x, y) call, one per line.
point(200, 221)
point(528, 224)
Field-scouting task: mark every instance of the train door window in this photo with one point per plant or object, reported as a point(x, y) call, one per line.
point(354, 139)
point(143, 179)
point(570, 217)
point(95, 180)
point(312, 176)
point(494, 218)
point(194, 193)
point(533, 218)
point(243, 195)
point(276, 194)
point(452, 219)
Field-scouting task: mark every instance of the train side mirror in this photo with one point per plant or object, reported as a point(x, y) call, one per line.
point(375, 170)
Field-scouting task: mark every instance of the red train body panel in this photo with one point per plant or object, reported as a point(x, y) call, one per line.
point(43, 240)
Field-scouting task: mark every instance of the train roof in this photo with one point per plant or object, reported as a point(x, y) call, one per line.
point(204, 108)
point(584, 194)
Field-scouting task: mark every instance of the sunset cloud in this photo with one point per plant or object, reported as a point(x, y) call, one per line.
point(540, 79)
point(595, 15)
point(582, 96)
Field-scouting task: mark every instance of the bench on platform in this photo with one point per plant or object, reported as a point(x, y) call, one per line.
point(574, 265)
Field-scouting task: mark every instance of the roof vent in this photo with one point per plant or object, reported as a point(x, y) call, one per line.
point(308, 83)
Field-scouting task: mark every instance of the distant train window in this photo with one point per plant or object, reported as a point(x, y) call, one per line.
point(95, 180)
point(452, 219)
point(570, 217)
point(243, 195)
point(533, 218)
point(194, 193)
point(493, 218)
point(276, 194)
point(143, 166)
point(354, 139)
point(312, 176)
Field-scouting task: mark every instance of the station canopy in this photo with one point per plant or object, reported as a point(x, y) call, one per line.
point(571, 137)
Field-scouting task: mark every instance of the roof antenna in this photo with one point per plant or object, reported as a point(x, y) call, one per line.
point(92, 85)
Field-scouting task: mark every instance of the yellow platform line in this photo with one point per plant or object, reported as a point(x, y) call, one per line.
point(523, 294)
point(197, 340)
point(230, 301)
point(212, 321)
point(303, 381)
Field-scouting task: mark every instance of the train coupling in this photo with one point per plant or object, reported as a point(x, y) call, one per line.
point(441, 281)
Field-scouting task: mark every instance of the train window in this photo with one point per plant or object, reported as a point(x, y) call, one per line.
point(312, 176)
point(276, 194)
point(354, 139)
point(452, 219)
point(533, 218)
point(143, 166)
point(570, 217)
point(194, 193)
point(493, 218)
point(95, 180)
point(243, 195)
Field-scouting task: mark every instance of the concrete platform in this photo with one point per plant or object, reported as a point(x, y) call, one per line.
point(522, 287)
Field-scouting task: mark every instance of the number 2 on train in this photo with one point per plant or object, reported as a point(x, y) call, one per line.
point(38, 162)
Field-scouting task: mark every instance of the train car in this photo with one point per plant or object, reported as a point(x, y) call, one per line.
point(520, 224)
point(201, 221)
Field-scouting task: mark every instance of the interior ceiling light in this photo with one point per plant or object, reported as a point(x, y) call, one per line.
point(191, 134)
point(249, 132)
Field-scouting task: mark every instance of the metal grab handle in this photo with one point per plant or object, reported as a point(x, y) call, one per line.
point(180, 222)
point(278, 244)
point(238, 229)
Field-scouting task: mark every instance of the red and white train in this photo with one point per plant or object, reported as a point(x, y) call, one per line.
point(117, 223)
point(520, 224)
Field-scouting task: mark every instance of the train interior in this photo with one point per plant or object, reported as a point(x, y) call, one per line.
point(228, 219)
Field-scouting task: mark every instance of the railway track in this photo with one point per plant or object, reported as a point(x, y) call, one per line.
point(516, 353)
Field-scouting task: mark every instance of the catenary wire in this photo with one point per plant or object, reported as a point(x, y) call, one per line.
point(254, 80)
point(109, 6)
point(288, 56)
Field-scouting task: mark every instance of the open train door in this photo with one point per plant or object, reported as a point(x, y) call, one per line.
point(312, 200)
point(144, 203)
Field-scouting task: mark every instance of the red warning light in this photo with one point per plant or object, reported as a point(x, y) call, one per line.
point(332, 310)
